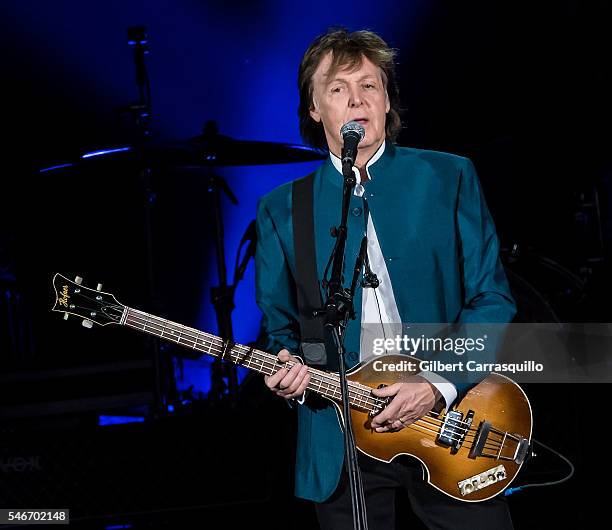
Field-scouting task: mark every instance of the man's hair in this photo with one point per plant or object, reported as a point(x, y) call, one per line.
point(348, 50)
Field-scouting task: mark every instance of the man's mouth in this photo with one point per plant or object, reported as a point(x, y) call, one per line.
point(361, 121)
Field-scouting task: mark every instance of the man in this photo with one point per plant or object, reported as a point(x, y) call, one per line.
point(432, 244)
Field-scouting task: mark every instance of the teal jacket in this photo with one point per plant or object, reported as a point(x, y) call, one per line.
point(441, 250)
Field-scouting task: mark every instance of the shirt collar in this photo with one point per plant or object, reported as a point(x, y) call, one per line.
point(338, 163)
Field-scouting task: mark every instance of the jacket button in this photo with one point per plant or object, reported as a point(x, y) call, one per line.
point(357, 211)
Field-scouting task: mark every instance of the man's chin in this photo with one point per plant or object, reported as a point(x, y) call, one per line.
point(366, 144)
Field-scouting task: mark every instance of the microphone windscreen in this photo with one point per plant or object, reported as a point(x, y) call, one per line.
point(352, 126)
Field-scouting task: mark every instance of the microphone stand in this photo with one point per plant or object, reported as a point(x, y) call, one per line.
point(338, 309)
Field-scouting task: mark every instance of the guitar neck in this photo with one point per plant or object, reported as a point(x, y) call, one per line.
point(323, 383)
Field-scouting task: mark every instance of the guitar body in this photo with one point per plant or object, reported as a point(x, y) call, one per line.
point(497, 400)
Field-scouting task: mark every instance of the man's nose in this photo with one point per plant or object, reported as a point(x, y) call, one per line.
point(355, 98)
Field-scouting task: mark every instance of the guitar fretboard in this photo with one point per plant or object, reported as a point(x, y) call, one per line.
point(324, 383)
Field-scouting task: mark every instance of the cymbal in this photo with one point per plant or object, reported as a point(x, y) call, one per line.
point(210, 149)
point(214, 149)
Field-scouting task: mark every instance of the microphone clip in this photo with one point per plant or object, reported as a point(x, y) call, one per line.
point(370, 280)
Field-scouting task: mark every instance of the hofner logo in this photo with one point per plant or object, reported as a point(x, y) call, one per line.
point(63, 299)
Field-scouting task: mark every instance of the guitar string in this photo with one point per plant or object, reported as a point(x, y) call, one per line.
point(247, 350)
point(186, 334)
point(424, 429)
point(364, 393)
point(270, 364)
point(269, 361)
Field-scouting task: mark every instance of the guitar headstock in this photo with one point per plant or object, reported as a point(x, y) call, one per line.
point(93, 305)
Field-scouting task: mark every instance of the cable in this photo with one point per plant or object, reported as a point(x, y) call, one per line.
point(510, 491)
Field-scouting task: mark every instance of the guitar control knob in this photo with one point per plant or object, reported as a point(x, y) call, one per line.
point(99, 288)
point(87, 323)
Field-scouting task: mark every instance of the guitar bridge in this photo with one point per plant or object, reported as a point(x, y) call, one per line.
point(517, 445)
point(454, 428)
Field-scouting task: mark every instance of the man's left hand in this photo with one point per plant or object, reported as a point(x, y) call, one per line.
point(410, 402)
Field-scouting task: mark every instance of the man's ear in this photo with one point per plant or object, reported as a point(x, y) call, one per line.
point(388, 104)
point(314, 111)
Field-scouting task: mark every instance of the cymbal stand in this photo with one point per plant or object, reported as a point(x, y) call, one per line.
point(141, 113)
point(222, 297)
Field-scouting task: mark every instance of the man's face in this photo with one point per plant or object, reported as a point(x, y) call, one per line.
point(358, 95)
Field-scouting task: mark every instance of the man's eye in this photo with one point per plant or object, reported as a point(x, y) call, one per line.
point(336, 89)
point(369, 85)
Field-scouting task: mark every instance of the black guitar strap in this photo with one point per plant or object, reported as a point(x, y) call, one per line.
point(316, 341)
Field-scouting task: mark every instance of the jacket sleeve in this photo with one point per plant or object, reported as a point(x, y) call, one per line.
point(487, 297)
point(487, 301)
point(275, 286)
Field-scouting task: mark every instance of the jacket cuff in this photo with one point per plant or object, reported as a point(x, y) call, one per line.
point(444, 386)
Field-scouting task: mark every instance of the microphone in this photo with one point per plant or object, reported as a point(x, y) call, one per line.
point(352, 133)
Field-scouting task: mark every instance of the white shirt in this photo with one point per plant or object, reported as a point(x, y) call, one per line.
point(378, 306)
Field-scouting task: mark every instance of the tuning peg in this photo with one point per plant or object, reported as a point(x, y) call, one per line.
point(88, 323)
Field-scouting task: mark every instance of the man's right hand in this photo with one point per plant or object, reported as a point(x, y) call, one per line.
point(289, 383)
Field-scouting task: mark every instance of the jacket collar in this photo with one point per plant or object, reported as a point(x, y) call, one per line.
point(376, 168)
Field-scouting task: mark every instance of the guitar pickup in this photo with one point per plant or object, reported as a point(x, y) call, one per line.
point(454, 428)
